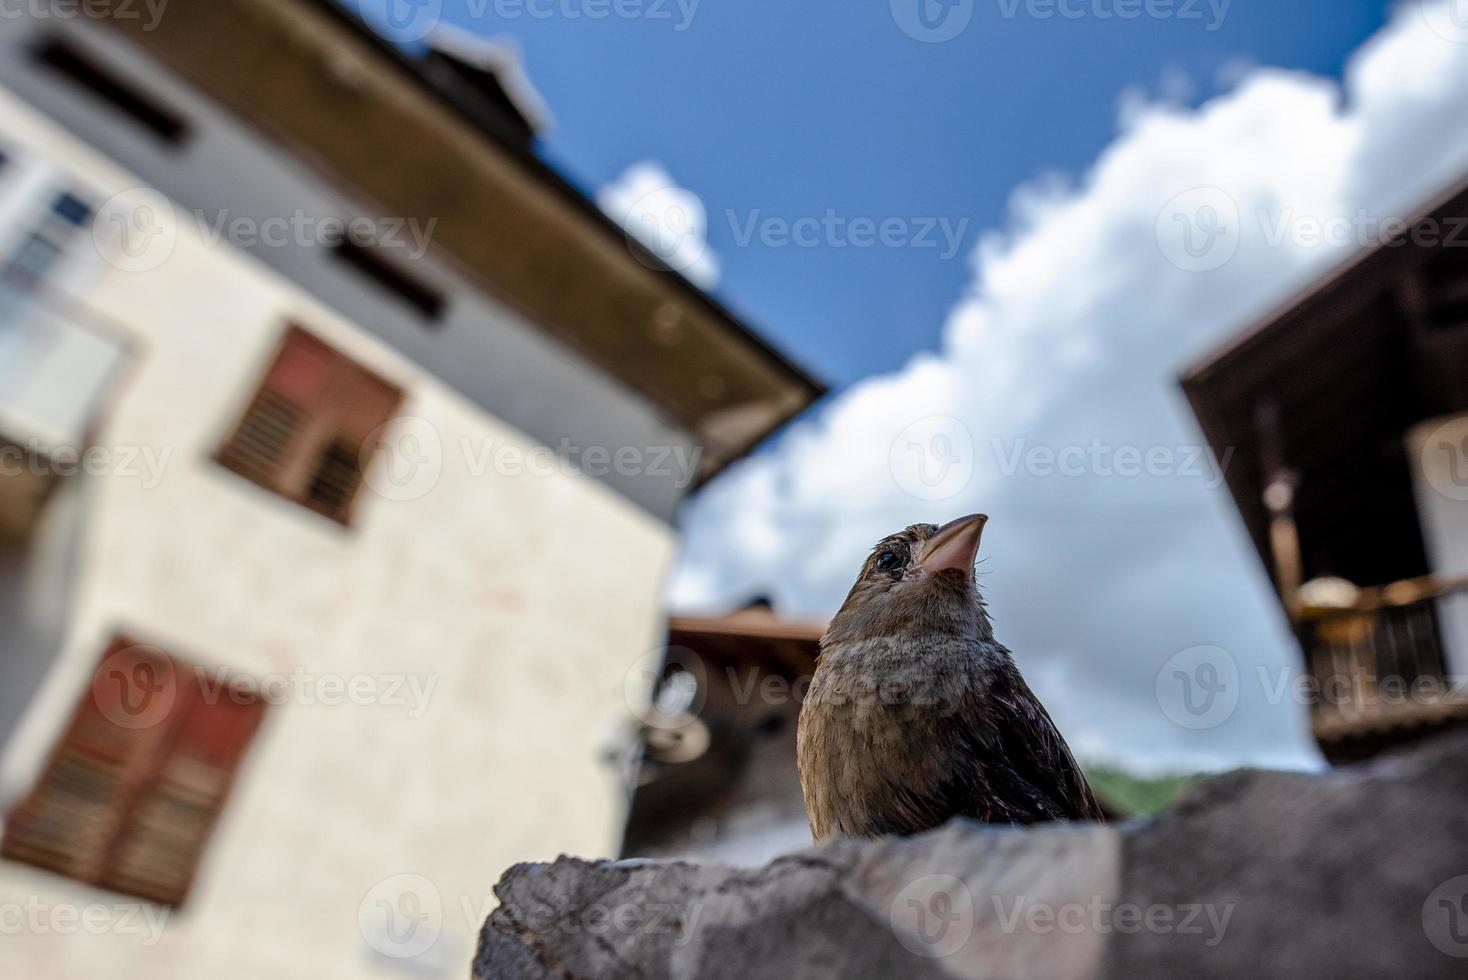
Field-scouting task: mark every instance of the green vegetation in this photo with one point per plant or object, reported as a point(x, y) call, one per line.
point(1136, 795)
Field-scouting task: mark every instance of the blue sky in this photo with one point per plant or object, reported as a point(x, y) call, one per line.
point(1080, 157)
point(791, 109)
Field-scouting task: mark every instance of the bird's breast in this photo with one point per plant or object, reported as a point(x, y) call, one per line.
point(871, 728)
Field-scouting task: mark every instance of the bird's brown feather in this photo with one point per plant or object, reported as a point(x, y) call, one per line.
point(917, 715)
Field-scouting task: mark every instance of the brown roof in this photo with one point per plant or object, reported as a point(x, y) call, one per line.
point(1345, 369)
point(753, 634)
point(313, 78)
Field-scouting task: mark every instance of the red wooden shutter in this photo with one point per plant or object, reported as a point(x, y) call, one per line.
point(303, 434)
point(295, 388)
point(163, 838)
point(112, 741)
point(130, 795)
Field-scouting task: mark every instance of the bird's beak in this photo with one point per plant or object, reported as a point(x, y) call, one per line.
point(956, 545)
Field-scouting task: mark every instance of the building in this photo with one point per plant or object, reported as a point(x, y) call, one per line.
point(718, 778)
point(342, 439)
point(1347, 412)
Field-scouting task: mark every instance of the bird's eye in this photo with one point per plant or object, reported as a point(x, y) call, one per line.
point(888, 560)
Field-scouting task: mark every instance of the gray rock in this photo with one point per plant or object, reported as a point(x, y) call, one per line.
point(1359, 872)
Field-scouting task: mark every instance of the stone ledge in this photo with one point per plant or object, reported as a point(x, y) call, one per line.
point(1349, 873)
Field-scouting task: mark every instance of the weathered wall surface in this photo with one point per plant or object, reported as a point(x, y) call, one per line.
point(1360, 872)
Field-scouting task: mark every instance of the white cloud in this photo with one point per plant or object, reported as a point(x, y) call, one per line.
point(668, 219)
point(1072, 334)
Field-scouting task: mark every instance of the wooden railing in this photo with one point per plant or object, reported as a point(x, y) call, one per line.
point(1386, 659)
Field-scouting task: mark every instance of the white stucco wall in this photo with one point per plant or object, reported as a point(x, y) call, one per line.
point(516, 601)
point(1439, 450)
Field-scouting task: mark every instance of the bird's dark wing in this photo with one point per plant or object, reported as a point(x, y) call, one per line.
point(1005, 762)
point(1029, 770)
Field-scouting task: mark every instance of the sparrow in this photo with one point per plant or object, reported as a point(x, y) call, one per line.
point(916, 714)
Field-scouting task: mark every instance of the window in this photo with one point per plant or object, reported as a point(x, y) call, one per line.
point(131, 794)
point(33, 260)
point(106, 86)
point(368, 262)
point(45, 244)
point(304, 433)
point(71, 209)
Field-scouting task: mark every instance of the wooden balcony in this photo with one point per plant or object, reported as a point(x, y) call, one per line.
point(1383, 664)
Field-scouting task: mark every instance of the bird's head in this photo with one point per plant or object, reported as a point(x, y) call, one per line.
point(919, 579)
